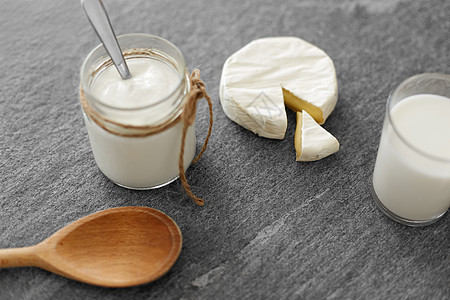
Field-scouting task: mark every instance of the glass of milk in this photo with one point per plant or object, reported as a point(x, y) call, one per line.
point(411, 179)
point(134, 125)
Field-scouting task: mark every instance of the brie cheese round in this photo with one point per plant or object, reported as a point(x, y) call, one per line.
point(261, 77)
point(312, 141)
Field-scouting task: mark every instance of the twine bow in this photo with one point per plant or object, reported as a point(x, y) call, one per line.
point(197, 92)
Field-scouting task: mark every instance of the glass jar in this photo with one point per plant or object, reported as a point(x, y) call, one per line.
point(136, 136)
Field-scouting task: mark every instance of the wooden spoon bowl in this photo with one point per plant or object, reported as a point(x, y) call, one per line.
point(117, 247)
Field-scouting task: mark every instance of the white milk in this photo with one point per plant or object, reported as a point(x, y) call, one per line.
point(412, 185)
point(139, 162)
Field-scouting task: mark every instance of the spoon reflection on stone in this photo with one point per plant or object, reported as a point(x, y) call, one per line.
point(117, 247)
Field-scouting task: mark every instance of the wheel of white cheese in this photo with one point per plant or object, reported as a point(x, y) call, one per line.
point(259, 79)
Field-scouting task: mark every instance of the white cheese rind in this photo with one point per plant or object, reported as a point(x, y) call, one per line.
point(253, 78)
point(261, 112)
point(317, 143)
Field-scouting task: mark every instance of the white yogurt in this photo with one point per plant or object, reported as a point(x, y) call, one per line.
point(409, 184)
point(139, 162)
point(151, 81)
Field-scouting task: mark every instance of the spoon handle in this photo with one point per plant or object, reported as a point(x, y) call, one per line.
point(99, 19)
point(18, 257)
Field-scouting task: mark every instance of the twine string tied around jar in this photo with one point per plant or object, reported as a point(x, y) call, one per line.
point(196, 93)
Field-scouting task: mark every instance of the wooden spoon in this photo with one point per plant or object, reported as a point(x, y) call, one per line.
point(117, 247)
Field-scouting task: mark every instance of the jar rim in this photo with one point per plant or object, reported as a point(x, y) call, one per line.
point(84, 72)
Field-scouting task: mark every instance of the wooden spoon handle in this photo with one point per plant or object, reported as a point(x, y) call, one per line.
point(18, 257)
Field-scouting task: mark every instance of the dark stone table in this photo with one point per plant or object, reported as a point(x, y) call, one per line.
point(271, 228)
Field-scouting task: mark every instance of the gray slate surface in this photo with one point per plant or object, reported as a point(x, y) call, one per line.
point(272, 228)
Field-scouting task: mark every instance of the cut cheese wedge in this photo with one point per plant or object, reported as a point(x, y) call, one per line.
point(312, 142)
point(261, 77)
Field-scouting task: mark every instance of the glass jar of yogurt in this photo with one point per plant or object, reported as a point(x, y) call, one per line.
point(133, 125)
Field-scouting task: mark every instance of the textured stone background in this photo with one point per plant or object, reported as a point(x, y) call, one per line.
point(271, 227)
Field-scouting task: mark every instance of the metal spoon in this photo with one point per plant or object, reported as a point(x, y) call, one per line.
point(117, 247)
point(96, 13)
